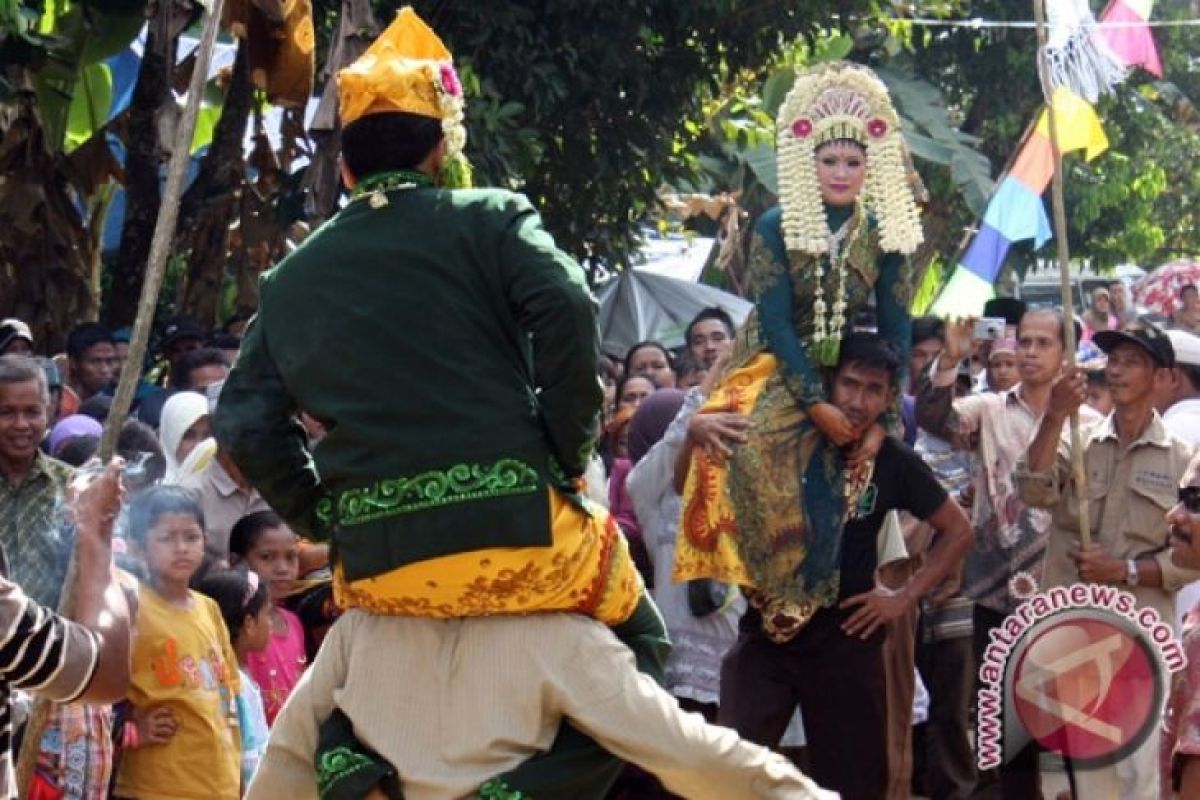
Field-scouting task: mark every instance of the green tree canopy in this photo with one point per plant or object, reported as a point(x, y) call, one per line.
point(589, 107)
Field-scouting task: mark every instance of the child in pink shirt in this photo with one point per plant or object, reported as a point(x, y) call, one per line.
point(269, 547)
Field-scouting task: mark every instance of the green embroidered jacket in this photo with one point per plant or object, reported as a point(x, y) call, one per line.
point(450, 349)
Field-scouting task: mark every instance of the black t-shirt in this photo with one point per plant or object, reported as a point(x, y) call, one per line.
point(901, 481)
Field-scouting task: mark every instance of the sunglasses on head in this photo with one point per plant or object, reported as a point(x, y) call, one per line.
point(1190, 497)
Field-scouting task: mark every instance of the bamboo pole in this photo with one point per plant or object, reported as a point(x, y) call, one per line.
point(160, 245)
point(1064, 268)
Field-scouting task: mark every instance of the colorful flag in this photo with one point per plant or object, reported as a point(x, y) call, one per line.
point(964, 295)
point(1078, 126)
point(1017, 213)
point(1034, 165)
point(1131, 42)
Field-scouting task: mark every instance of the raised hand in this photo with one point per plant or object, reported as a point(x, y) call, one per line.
point(958, 341)
point(1068, 393)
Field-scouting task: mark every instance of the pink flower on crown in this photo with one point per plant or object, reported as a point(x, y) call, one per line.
point(450, 81)
point(801, 128)
point(877, 127)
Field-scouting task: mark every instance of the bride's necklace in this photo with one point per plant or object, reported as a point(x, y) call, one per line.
point(828, 328)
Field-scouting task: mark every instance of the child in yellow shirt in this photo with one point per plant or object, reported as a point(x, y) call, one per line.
point(186, 742)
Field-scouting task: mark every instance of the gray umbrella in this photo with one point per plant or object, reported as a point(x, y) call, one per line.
point(638, 305)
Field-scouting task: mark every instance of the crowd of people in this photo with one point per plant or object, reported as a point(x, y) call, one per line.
point(985, 418)
point(229, 604)
point(793, 538)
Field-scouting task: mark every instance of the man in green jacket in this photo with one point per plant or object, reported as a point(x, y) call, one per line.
point(449, 348)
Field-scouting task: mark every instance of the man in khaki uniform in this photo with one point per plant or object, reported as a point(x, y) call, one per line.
point(1134, 467)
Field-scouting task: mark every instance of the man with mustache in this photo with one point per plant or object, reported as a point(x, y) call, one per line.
point(1134, 466)
point(1181, 725)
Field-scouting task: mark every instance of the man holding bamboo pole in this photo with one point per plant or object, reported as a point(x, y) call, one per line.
point(1134, 467)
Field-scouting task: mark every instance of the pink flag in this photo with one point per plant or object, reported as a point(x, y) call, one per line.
point(1132, 43)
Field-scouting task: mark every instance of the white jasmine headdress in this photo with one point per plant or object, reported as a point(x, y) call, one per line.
point(841, 100)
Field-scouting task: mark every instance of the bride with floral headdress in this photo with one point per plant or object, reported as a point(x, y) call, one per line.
point(769, 518)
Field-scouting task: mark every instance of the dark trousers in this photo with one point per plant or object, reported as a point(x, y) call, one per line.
point(948, 670)
point(839, 684)
point(1019, 778)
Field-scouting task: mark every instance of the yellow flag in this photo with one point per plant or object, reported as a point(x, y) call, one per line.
point(1078, 126)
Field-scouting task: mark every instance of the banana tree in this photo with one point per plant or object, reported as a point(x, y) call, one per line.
point(56, 172)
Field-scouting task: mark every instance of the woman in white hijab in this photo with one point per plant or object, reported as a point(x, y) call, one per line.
point(185, 423)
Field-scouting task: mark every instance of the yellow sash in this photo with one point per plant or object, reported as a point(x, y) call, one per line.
point(586, 570)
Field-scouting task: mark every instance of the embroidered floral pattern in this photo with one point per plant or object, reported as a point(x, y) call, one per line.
point(458, 484)
point(497, 789)
point(336, 765)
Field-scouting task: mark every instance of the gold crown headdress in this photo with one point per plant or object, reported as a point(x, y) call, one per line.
point(409, 69)
point(836, 101)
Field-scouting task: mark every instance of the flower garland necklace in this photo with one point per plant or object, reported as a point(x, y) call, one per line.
point(828, 329)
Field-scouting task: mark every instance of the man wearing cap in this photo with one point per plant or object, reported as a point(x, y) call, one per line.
point(15, 338)
point(1178, 397)
point(1178, 400)
point(181, 336)
point(1134, 467)
point(1002, 371)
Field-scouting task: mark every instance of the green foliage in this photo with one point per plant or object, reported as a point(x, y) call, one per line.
point(589, 107)
point(1132, 204)
point(58, 43)
point(89, 105)
point(933, 137)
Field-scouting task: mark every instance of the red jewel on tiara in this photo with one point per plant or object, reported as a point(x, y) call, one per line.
point(801, 128)
point(877, 127)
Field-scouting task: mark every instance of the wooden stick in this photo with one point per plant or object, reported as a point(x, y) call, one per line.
point(1064, 269)
point(160, 245)
point(164, 235)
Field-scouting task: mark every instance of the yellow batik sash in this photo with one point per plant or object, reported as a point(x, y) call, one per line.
point(586, 570)
point(707, 546)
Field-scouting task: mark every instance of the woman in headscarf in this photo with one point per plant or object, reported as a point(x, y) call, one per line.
point(701, 617)
point(73, 427)
point(185, 423)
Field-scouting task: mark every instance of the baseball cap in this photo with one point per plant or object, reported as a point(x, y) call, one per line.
point(181, 327)
point(1187, 348)
point(1151, 339)
point(12, 329)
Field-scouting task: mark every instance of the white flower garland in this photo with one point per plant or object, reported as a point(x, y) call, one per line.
point(828, 329)
point(453, 108)
point(825, 103)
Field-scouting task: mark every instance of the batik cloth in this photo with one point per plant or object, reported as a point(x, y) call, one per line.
point(770, 517)
point(587, 570)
